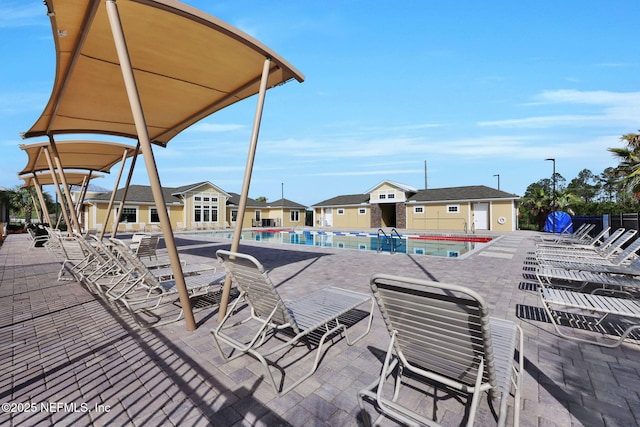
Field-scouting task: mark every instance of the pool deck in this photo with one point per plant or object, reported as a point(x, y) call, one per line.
point(60, 346)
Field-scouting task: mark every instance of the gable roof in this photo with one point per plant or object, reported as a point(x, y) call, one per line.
point(349, 199)
point(403, 187)
point(138, 194)
point(473, 192)
point(284, 203)
point(193, 187)
point(234, 200)
point(142, 194)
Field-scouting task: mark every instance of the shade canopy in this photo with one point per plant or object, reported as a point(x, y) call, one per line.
point(46, 178)
point(187, 65)
point(98, 156)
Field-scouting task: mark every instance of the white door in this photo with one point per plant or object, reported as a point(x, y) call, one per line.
point(328, 217)
point(481, 216)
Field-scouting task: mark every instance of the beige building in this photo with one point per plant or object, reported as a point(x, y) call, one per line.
point(390, 204)
point(199, 206)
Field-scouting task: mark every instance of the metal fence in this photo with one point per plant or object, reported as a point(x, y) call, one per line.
point(629, 221)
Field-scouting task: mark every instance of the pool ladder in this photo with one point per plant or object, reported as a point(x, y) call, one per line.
point(389, 238)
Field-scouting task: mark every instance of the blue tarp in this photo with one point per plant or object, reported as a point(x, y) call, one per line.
point(558, 222)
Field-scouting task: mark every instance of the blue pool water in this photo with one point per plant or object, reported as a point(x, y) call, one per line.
point(360, 241)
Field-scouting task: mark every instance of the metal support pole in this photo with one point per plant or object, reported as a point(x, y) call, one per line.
point(54, 177)
point(43, 205)
point(56, 157)
point(115, 188)
point(34, 203)
point(145, 145)
point(116, 219)
point(226, 290)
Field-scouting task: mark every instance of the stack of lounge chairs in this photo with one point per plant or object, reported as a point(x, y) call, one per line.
point(131, 278)
point(591, 284)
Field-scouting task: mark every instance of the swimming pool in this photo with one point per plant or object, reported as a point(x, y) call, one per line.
point(437, 245)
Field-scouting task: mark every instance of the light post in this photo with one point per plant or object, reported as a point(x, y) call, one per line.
point(498, 175)
point(553, 196)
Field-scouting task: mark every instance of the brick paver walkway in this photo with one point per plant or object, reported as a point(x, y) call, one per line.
point(67, 358)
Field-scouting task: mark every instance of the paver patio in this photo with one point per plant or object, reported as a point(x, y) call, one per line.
point(71, 359)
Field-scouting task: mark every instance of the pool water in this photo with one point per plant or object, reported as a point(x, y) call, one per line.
point(442, 246)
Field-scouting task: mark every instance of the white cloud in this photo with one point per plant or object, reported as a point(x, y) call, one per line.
point(377, 172)
point(17, 14)
point(546, 121)
point(615, 109)
point(599, 97)
point(14, 103)
point(215, 127)
point(200, 169)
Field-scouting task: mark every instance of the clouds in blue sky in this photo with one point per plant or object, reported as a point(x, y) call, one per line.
point(472, 88)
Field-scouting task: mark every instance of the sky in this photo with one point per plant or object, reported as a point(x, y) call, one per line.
point(471, 89)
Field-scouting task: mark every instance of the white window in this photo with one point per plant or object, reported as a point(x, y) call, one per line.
point(258, 215)
point(205, 209)
point(453, 208)
point(382, 196)
point(362, 211)
point(295, 216)
point(340, 211)
point(391, 196)
point(418, 209)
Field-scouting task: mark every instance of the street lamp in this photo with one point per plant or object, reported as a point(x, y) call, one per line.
point(553, 196)
point(498, 175)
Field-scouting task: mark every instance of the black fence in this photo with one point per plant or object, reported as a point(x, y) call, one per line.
point(629, 221)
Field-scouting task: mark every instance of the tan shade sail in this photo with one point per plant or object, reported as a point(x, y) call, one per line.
point(187, 65)
point(45, 178)
point(85, 155)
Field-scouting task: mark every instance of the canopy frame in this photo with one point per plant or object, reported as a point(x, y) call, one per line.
point(233, 77)
point(144, 141)
point(67, 158)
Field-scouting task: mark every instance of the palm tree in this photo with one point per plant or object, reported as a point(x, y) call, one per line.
point(20, 202)
point(538, 202)
point(628, 169)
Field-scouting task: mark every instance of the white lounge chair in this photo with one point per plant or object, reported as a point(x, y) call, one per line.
point(320, 312)
point(586, 244)
point(611, 246)
point(146, 294)
point(580, 234)
point(582, 308)
point(583, 263)
point(443, 334)
point(620, 278)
